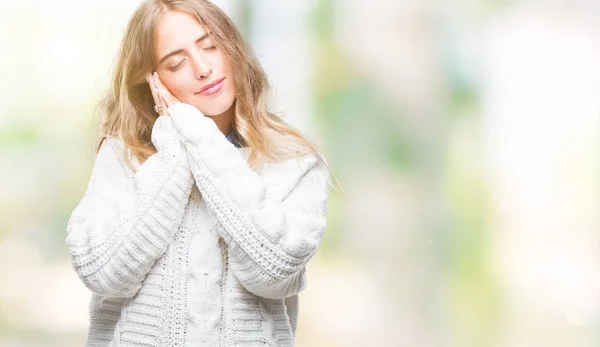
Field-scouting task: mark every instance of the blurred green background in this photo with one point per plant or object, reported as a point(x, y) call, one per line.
point(465, 134)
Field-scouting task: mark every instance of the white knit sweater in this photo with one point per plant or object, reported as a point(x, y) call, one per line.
point(194, 248)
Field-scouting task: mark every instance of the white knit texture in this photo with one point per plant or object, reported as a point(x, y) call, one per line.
point(196, 248)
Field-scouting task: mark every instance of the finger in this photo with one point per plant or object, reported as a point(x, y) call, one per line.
point(158, 100)
point(159, 97)
point(149, 80)
point(155, 95)
point(169, 98)
point(162, 91)
point(164, 106)
point(164, 103)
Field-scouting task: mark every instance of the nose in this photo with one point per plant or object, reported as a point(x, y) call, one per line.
point(202, 68)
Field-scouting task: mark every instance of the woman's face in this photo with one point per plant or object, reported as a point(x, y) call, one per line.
point(190, 65)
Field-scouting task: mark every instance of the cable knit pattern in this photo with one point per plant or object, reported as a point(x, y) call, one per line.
point(125, 222)
point(205, 281)
point(195, 248)
point(272, 224)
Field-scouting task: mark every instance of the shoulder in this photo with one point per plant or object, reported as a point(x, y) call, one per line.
point(113, 150)
point(297, 166)
point(110, 144)
point(290, 172)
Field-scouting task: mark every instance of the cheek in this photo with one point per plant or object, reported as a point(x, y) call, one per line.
point(227, 72)
point(231, 91)
point(226, 67)
point(222, 63)
point(176, 85)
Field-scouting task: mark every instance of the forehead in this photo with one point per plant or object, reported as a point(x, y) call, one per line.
point(176, 30)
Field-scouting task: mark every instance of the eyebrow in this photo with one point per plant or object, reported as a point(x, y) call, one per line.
point(181, 50)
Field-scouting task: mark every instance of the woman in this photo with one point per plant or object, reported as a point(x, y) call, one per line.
point(198, 221)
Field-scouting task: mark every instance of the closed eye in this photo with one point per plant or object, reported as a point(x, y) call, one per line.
point(176, 66)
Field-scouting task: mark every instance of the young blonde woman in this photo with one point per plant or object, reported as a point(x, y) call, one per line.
point(203, 208)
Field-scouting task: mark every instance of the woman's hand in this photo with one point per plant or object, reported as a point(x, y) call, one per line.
point(162, 96)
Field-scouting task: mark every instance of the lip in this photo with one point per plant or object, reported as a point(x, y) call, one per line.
point(211, 88)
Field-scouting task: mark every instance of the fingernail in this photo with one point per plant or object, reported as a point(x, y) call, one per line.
point(155, 75)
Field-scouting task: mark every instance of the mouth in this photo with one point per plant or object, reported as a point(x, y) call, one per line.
point(211, 88)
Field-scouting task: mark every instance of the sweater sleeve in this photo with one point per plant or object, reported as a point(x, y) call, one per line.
point(125, 221)
point(272, 223)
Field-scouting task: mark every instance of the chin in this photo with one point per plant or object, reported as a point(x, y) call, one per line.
point(214, 110)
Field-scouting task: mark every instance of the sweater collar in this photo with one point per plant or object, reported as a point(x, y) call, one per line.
point(233, 139)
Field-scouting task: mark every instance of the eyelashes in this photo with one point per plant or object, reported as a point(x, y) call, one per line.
point(178, 65)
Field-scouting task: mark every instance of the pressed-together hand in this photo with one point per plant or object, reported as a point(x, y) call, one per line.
point(162, 96)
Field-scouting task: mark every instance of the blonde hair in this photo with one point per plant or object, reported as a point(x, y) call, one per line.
point(127, 108)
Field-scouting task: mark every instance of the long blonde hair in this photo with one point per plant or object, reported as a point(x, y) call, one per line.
point(127, 108)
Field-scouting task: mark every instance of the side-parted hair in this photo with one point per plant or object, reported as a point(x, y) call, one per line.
point(126, 110)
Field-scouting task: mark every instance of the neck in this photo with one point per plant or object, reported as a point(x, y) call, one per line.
point(224, 120)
